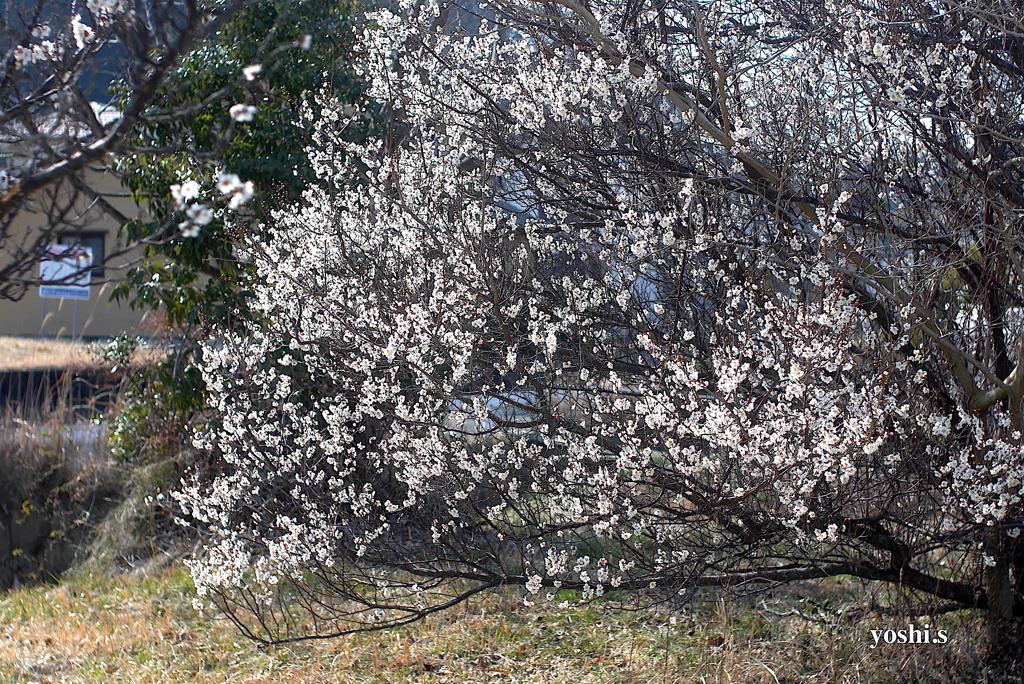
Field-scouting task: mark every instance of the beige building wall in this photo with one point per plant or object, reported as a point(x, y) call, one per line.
point(96, 317)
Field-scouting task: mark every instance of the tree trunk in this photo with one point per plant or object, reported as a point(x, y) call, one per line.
point(1000, 594)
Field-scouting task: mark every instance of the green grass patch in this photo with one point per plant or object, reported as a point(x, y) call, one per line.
point(140, 629)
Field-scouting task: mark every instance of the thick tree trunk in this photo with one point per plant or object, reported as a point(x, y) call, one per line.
point(1004, 657)
point(1000, 593)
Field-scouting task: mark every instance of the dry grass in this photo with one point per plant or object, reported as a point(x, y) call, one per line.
point(143, 629)
point(22, 353)
point(26, 353)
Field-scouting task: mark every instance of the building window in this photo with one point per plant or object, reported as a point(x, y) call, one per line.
point(96, 241)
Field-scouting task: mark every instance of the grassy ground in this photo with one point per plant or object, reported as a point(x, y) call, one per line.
point(144, 629)
point(26, 353)
point(21, 353)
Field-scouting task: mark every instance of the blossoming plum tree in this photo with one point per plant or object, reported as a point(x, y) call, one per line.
point(650, 296)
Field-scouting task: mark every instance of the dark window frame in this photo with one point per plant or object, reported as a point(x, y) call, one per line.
point(98, 272)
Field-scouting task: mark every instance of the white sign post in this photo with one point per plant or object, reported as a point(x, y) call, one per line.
point(64, 274)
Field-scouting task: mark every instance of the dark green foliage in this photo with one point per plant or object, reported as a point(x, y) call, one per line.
point(202, 281)
point(157, 403)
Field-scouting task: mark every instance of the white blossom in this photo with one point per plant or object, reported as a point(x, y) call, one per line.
point(199, 214)
point(242, 112)
point(82, 32)
point(228, 183)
